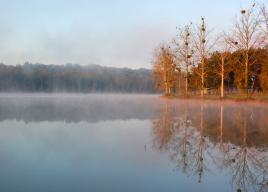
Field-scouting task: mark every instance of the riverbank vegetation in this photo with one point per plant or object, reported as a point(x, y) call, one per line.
point(200, 63)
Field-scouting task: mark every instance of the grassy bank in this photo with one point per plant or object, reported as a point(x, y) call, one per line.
point(229, 97)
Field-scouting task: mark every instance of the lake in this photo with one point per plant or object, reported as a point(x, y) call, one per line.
point(109, 142)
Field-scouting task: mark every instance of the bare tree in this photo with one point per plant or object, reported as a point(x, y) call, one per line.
point(203, 44)
point(225, 52)
point(184, 51)
point(264, 14)
point(247, 36)
point(223, 56)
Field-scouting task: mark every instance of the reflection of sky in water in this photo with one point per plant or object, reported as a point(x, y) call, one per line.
point(80, 150)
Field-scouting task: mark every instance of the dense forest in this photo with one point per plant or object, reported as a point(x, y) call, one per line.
point(74, 78)
point(199, 61)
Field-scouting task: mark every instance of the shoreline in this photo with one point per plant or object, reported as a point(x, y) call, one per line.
point(217, 98)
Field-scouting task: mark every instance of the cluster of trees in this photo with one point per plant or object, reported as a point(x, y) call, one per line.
point(73, 78)
point(198, 61)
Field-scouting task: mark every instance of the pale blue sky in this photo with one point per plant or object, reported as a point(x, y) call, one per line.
point(121, 33)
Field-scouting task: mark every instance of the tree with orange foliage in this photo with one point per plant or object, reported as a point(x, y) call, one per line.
point(165, 70)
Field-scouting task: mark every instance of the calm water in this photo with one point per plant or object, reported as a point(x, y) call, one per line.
point(131, 143)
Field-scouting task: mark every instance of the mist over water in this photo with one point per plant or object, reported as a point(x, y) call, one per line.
point(113, 142)
point(77, 107)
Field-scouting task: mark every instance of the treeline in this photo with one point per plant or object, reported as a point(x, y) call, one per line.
point(74, 78)
point(198, 61)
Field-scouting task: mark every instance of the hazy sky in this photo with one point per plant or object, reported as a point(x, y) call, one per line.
point(121, 33)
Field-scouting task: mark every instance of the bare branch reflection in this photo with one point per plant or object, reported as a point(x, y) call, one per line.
point(233, 139)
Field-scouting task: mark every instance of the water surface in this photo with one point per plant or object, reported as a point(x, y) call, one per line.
point(131, 143)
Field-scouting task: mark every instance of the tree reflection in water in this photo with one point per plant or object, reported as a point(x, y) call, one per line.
point(233, 137)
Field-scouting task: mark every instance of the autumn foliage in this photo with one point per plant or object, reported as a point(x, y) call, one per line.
point(199, 62)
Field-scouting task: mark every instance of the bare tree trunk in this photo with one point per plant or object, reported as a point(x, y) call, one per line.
point(202, 78)
point(222, 76)
point(252, 87)
point(166, 89)
point(203, 41)
point(179, 84)
point(166, 82)
point(187, 64)
point(246, 73)
point(187, 76)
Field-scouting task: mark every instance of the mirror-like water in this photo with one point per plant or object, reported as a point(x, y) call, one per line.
point(131, 143)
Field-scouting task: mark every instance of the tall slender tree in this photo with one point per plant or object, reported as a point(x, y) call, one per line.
point(203, 43)
point(225, 52)
point(184, 51)
point(246, 36)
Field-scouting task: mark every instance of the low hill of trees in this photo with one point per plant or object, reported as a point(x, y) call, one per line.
point(74, 78)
